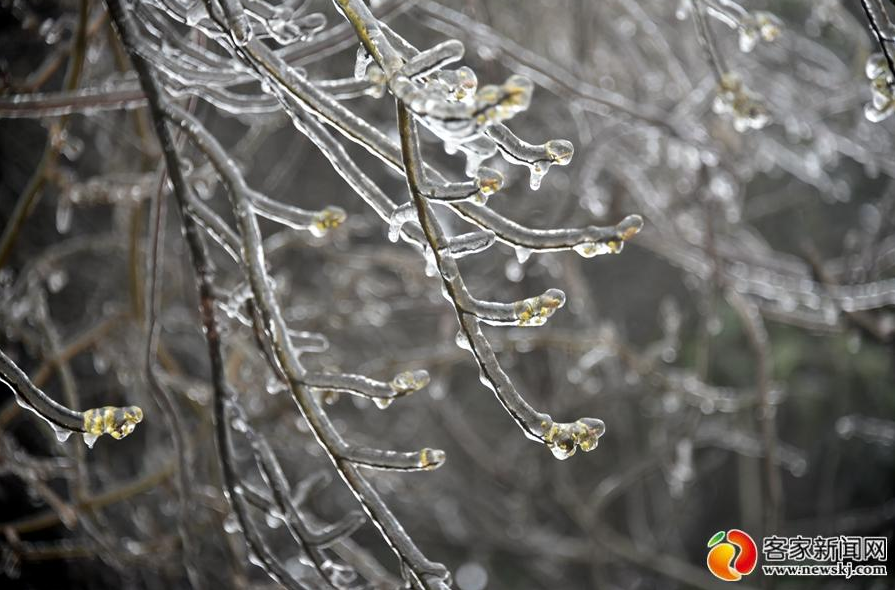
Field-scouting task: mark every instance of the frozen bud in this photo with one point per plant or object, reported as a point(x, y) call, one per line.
point(535, 311)
point(560, 151)
point(409, 381)
point(116, 422)
point(769, 25)
point(563, 439)
point(488, 180)
point(327, 219)
point(735, 101)
point(431, 459)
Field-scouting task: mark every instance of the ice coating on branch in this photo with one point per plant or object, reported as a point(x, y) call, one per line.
point(471, 243)
point(116, 422)
point(882, 89)
point(564, 438)
point(537, 158)
point(734, 100)
point(285, 28)
point(453, 119)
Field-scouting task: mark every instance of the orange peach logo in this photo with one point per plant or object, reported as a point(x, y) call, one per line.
point(734, 558)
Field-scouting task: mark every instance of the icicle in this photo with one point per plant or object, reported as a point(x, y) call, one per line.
point(462, 341)
point(90, 439)
point(383, 402)
point(62, 434)
point(63, 216)
point(402, 214)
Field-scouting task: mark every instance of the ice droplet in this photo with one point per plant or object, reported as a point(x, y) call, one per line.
point(272, 521)
point(57, 280)
point(63, 216)
point(62, 434)
point(90, 439)
point(383, 402)
point(462, 341)
point(231, 524)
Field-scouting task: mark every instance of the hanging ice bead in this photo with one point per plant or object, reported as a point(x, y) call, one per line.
point(383, 402)
point(90, 439)
point(462, 341)
point(63, 216)
point(559, 152)
point(62, 434)
point(361, 61)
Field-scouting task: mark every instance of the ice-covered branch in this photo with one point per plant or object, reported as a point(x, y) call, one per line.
point(117, 422)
